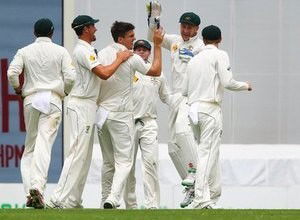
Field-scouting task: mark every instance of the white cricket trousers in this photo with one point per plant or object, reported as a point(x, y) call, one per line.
point(146, 131)
point(182, 145)
point(41, 133)
point(80, 116)
point(208, 184)
point(116, 141)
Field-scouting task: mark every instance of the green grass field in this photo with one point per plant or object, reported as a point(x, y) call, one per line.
point(165, 214)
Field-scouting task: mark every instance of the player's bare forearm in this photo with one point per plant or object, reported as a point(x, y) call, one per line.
point(156, 66)
point(104, 72)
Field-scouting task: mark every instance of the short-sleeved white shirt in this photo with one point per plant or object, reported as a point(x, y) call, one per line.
point(116, 92)
point(87, 83)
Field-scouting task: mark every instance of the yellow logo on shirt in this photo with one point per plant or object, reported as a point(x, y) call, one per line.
point(135, 78)
point(92, 58)
point(174, 47)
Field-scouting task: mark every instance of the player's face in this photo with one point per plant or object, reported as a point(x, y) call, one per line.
point(91, 29)
point(142, 52)
point(128, 39)
point(188, 30)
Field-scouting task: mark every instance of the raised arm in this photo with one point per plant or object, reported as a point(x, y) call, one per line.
point(156, 66)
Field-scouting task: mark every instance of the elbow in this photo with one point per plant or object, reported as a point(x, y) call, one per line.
point(10, 75)
point(155, 72)
point(158, 73)
point(12, 78)
point(105, 77)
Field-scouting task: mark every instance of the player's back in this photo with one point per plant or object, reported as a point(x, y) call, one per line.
point(43, 66)
point(204, 84)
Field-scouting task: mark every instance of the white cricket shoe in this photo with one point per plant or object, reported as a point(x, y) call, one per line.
point(108, 204)
point(189, 196)
point(194, 205)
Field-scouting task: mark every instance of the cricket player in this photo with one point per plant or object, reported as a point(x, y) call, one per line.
point(182, 48)
point(146, 91)
point(49, 76)
point(116, 110)
point(209, 74)
point(81, 112)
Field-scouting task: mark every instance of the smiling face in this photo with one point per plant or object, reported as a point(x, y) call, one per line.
point(188, 30)
point(128, 39)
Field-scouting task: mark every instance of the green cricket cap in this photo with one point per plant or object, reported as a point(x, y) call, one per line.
point(142, 43)
point(190, 18)
point(83, 20)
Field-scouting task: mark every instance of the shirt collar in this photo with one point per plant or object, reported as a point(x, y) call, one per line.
point(43, 39)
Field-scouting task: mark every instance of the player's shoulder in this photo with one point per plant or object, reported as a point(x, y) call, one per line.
point(109, 47)
point(81, 50)
point(136, 59)
point(221, 53)
point(59, 48)
point(28, 47)
point(104, 51)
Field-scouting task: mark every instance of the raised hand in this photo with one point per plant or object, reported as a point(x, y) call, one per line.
point(158, 37)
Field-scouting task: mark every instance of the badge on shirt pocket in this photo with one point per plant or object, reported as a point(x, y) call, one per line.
point(92, 58)
point(135, 78)
point(174, 47)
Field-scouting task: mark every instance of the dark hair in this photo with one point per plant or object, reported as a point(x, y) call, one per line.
point(43, 28)
point(79, 31)
point(119, 29)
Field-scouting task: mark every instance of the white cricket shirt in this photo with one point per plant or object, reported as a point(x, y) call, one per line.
point(181, 52)
point(116, 92)
point(87, 83)
point(46, 66)
point(209, 73)
point(146, 90)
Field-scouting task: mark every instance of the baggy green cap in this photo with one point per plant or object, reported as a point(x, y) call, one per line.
point(83, 20)
point(190, 18)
